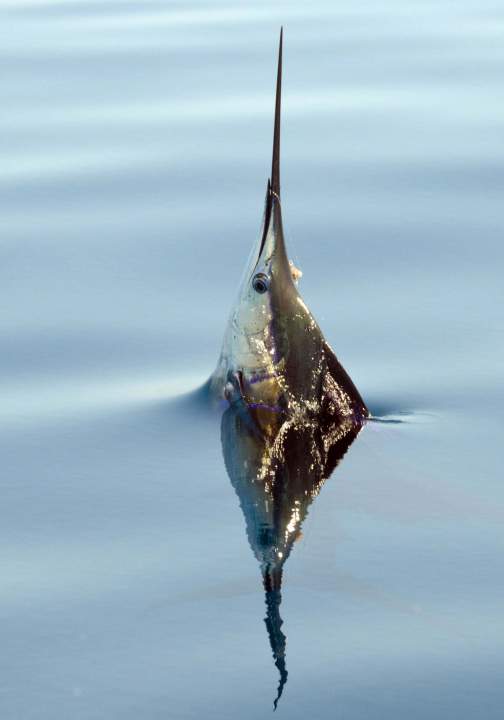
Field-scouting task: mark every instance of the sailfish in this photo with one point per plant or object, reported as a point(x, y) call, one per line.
point(274, 358)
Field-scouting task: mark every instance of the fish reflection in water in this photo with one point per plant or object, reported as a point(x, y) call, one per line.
point(277, 468)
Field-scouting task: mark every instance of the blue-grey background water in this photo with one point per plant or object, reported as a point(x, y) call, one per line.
point(136, 141)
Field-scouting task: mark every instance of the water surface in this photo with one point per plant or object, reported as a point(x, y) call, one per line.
point(135, 142)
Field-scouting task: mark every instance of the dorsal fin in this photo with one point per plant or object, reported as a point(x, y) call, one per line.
point(275, 164)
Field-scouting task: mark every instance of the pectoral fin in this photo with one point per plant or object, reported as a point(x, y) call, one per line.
point(341, 388)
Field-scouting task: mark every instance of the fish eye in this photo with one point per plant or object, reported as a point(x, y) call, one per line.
point(260, 283)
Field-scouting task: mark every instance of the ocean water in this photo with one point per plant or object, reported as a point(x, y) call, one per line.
point(135, 148)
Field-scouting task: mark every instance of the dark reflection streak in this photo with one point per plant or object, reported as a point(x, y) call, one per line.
point(277, 639)
point(277, 468)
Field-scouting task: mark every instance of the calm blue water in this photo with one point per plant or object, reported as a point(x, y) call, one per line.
point(135, 146)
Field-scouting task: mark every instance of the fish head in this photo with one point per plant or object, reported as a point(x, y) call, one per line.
point(267, 290)
point(273, 345)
